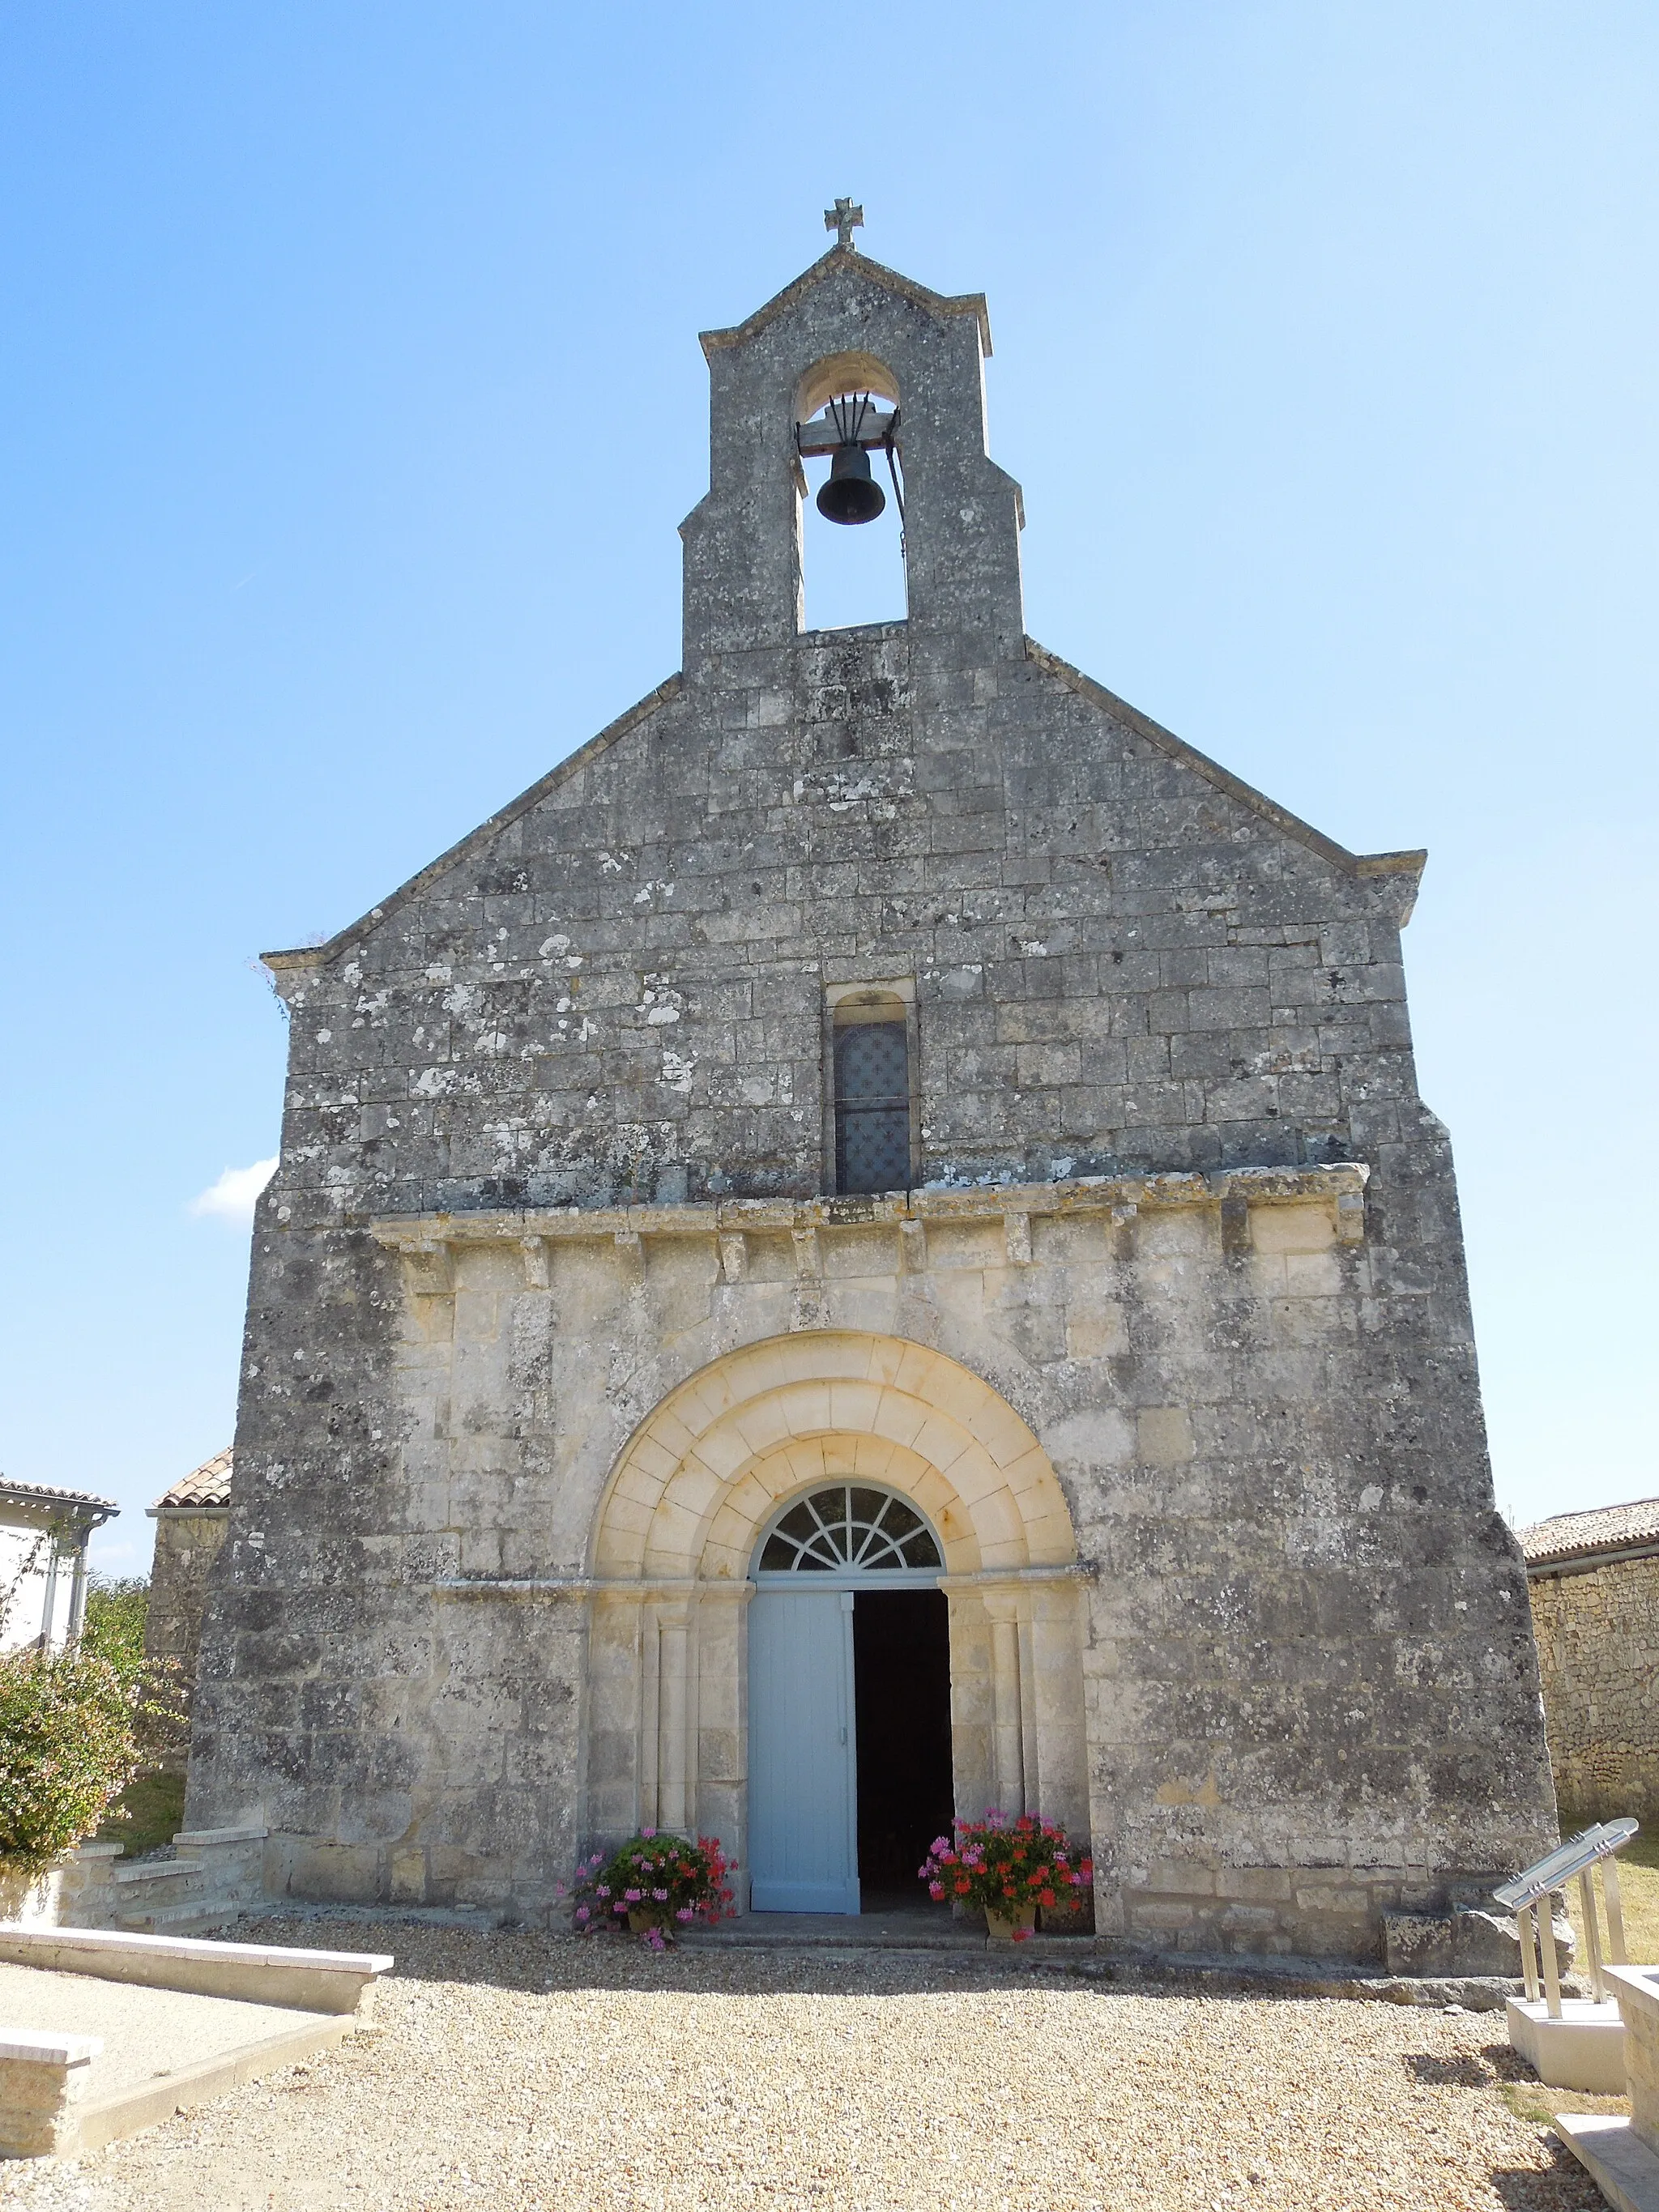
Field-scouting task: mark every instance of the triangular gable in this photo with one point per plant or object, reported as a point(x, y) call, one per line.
point(1337, 856)
point(1351, 864)
point(840, 258)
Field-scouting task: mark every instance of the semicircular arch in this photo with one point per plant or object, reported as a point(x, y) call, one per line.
point(709, 1465)
point(839, 373)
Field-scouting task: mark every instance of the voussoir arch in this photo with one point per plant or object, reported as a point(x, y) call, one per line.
point(706, 1468)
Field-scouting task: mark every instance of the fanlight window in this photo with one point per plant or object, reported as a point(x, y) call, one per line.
point(846, 1526)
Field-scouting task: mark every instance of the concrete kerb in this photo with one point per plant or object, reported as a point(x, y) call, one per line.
point(1622, 2157)
point(45, 2075)
point(302, 1980)
point(1584, 2049)
point(107, 2119)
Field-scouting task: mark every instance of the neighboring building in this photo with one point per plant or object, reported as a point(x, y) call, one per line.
point(43, 1561)
point(870, 1243)
point(190, 1520)
point(1594, 1581)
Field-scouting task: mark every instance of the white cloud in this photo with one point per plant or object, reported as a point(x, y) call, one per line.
point(234, 1196)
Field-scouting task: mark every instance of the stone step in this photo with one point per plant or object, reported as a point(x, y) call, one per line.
point(132, 1874)
point(194, 1917)
point(177, 1887)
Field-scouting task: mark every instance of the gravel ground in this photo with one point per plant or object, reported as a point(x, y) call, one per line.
point(520, 2070)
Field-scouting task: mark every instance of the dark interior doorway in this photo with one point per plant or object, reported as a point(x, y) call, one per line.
point(902, 1692)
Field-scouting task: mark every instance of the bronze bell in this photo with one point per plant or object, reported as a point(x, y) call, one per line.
point(850, 493)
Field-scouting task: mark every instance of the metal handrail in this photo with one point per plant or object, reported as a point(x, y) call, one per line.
point(1575, 1855)
point(1579, 1855)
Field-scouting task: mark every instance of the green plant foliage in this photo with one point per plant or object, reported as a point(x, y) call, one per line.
point(68, 1744)
point(77, 1725)
point(117, 1607)
point(149, 1811)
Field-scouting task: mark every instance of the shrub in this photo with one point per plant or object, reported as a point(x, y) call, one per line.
point(117, 1607)
point(69, 1745)
point(76, 1725)
point(654, 1885)
point(1002, 1866)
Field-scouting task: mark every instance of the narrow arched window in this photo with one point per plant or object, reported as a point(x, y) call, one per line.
point(872, 1096)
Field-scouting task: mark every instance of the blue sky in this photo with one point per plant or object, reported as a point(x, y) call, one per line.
point(350, 398)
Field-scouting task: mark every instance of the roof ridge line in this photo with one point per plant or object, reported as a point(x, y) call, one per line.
point(1587, 1512)
point(1408, 862)
point(317, 956)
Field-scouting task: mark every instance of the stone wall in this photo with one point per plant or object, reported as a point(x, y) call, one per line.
point(1597, 1627)
point(532, 1097)
point(187, 1547)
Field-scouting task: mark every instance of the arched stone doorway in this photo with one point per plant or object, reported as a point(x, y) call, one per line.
point(850, 1768)
point(673, 1551)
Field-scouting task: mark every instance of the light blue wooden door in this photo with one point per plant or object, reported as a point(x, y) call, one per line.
point(803, 1811)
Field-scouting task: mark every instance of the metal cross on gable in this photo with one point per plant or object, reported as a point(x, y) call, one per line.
point(844, 219)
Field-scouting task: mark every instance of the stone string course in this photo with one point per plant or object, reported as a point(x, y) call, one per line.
point(1296, 1683)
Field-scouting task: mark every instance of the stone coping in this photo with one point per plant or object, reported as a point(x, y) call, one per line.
point(44, 2046)
point(1342, 1184)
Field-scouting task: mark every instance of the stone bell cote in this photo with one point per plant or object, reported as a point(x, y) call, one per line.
point(849, 325)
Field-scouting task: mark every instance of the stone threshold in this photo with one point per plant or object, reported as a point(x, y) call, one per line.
point(430, 1237)
point(1103, 1959)
point(1247, 1975)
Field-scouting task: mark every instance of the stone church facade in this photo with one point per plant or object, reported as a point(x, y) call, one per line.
point(576, 1278)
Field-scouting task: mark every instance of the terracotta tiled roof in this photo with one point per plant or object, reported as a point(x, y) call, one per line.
point(1576, 1536)
point(49, 1496)
point(209, 1485)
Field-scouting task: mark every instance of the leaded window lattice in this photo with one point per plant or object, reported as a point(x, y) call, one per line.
point(847, 1526)
point(872, 1107)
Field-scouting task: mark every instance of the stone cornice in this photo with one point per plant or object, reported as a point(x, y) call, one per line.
point(1341, 1187)
point(706, 1586)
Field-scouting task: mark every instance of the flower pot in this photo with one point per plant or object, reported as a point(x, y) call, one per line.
point(1001, 1928)
point(642, 1919)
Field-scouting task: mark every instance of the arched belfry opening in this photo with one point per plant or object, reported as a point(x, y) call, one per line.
point(821, 1532)
point(849, 424)
point(764, 567)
